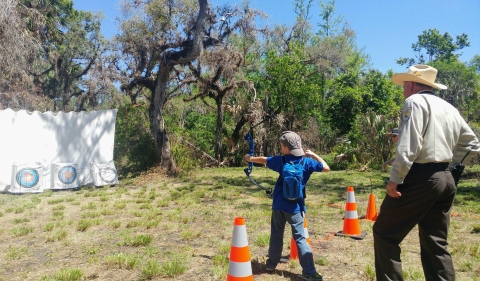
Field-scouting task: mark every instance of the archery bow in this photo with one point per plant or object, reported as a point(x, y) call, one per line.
point(248, 170)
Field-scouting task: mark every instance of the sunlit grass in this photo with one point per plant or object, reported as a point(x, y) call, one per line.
point(164, 230)
point(65, 275)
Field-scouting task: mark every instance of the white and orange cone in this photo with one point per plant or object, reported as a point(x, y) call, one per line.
point(293, 245)
point(351, 224)
point(240, 266)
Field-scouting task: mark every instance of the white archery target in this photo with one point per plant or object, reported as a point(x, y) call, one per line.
point(64, 176)
point(104, 174)
point(27, 178)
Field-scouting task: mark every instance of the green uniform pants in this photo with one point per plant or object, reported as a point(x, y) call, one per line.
point(428, 192)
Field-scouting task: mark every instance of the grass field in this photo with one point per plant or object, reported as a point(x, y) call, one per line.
point(158, 228)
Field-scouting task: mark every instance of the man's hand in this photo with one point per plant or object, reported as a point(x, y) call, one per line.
point(392, 189)
point(247, 157)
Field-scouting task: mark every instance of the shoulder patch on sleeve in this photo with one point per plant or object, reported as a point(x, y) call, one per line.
point(406, 114)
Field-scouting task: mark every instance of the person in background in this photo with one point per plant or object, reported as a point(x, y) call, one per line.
point(394, 136)
point(284, 211)
point(421, 189)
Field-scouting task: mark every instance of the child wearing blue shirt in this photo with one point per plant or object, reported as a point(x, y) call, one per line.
point(284, 211)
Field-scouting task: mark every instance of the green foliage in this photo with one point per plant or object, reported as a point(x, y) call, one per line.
point(185, 157)
point(437, 47)
point(380, 95)
point(71, 42)
point(475, 62)
point(372, 146)
point(463, 86)
point(292, 86)
point(342, 109)
point(329, 25)
point(353, 96)
point(134, 149)
point(201, 128)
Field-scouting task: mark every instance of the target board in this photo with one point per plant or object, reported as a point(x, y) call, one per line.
point(104, 174)
point(27, 178)
point(64, 176)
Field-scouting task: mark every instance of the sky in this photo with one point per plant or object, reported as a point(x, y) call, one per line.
point(385, 29)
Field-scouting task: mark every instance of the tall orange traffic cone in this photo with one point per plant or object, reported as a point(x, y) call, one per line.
point(351, 225)
point(293, 245)
point(371, 208)
point(240, 266)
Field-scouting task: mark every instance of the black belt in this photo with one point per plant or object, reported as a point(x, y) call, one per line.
point(431, 165)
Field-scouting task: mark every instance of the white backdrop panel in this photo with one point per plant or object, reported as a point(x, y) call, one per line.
point(49, 138)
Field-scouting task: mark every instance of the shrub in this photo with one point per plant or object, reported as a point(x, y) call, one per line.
point(134, 149)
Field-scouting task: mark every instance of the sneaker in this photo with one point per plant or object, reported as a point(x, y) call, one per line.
point(316, 277)
point(270, 268)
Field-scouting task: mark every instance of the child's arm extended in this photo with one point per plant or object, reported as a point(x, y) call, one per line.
point(258, 160)
point(314, 156)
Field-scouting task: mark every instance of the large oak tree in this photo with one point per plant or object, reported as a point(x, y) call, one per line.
point(158, 39)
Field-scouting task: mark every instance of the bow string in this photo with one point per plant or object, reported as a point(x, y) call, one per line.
point(248, 170)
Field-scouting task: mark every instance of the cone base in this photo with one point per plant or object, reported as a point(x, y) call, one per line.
point(356, 237)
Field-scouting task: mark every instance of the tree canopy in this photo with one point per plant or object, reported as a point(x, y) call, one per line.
point(196, 78)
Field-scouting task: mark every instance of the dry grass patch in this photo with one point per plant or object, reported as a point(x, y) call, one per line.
point(159, 228)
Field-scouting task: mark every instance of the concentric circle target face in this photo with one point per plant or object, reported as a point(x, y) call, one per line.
point(27, 177)
point(108, 174)
point(67, 174)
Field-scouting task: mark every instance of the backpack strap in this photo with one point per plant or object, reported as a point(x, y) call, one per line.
point(302, 202)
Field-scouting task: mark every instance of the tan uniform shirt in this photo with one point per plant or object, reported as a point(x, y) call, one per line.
point(431, 130)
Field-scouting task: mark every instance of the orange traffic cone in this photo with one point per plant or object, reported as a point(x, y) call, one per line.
point(293, 250)
point(372, 208)
point(240, 266)
point(351, 225)
point(293, 245)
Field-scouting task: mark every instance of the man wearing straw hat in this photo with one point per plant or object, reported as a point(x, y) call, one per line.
point(421, 189)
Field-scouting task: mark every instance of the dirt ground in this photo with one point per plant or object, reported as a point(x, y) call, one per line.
point(195, 222)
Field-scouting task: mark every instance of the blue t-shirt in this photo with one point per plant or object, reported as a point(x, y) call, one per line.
point(275, 163)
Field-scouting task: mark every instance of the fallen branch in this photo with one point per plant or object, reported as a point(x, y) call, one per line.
point(364, 168)
point(206, 155)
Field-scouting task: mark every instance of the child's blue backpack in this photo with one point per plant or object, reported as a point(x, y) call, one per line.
point(293, 187)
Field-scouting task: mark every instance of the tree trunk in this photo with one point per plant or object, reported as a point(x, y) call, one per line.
point(236, 132)
point(157, 122)
point(166, 64)
point(219, 129)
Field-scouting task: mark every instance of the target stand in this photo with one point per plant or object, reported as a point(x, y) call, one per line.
point(104, 174)
point(64, 176)
point(27, 178)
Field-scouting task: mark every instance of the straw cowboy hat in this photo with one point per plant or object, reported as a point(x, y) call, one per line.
point(422, 74)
